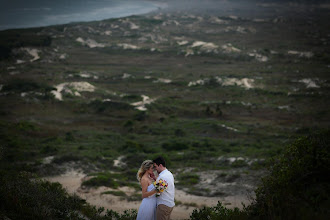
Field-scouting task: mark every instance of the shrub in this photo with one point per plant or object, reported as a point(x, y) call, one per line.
point(102, 107)
point(217, 212)
point(177, 146)
point(298, 185)
point(23, 85)
point(11, 39)
point(102, 179)
point(132, 147)
point(188, 179)
point(26, 198)
point(115, 193)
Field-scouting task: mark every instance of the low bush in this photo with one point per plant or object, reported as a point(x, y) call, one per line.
point(102, 179)
point(188, 179)
point(115, 193)
point(298, 186)
point(25, 196)
point(23, 85)
point(175, 146)
point(218, 212)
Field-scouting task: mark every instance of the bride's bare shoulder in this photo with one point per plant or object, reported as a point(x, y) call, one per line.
point(144, 179)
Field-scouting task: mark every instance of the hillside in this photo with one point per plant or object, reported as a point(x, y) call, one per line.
point(217, 93)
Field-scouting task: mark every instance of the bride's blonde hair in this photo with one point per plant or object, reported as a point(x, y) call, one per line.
point(144, 167)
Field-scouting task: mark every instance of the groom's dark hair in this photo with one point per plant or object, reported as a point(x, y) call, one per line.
point(160, 160)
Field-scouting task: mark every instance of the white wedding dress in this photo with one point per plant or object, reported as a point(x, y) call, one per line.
point(147, 210)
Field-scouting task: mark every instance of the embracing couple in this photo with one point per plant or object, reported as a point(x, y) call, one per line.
point(157, 192)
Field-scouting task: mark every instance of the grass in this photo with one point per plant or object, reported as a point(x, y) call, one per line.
point(116, 193)
point(188, 125)
point(188, 179)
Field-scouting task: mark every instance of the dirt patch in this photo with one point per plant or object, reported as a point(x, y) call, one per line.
point(71, 180)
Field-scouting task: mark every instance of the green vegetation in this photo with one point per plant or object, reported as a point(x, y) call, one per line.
point(218, 212)
point(112, 180)
point(188, 179)
point(24, 196)
point(219, 112)
point(116, 193)
point(296, 187)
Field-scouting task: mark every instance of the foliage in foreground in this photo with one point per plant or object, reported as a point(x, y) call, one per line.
point(218, 212)
point(297, 186)
point(23, 196)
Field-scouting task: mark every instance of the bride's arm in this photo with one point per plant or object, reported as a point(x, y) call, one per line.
point(144, 185)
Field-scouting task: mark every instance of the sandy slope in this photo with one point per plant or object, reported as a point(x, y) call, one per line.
point(72, 179)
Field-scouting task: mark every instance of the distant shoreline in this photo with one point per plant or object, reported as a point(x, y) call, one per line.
point(65, 19)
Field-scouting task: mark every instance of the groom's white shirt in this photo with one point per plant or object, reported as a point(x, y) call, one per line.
point(167, 197)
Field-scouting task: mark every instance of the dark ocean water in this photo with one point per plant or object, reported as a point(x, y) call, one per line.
point(36, 13)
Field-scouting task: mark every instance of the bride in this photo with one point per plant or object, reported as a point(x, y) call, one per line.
point(145, 175)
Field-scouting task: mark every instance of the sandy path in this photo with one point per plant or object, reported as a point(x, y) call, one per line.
point(71, 181)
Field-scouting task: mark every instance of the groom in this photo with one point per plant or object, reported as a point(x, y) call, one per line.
point(165, 202)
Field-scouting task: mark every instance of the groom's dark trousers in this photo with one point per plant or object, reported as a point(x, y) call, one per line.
point(163, 212)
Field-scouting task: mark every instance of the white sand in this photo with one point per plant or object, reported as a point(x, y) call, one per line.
point(126, 76)
point(301, 54)
point(48, 160)
point(85, 75)
point(128, 46)
point(189, 52)
point(14, 73)
point(108, 33)
point(216, 20)
point(246, 83)
point(229, 48)
point(240, 29)
point(285, 107)
point(246, 103)
point(33, 52)
point(197, 82)
point(181, 43)
point(170, 22)
point(309, 83)
point(78, 86)
point(142, 104)
point(89, 42)
point(119, 162)
point(233, 17)
point(72, 179)
point(130, 23)
point(204, 45)
point(229, 128)
point(63, 56)
point(158, 17)
point(20, 61)
point(161, 80)
point(134, 26)
point(259, 57)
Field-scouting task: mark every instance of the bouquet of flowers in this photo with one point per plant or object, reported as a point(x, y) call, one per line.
point(161, 186)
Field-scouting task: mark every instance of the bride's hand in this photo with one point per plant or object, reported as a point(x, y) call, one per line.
point(153, 177)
